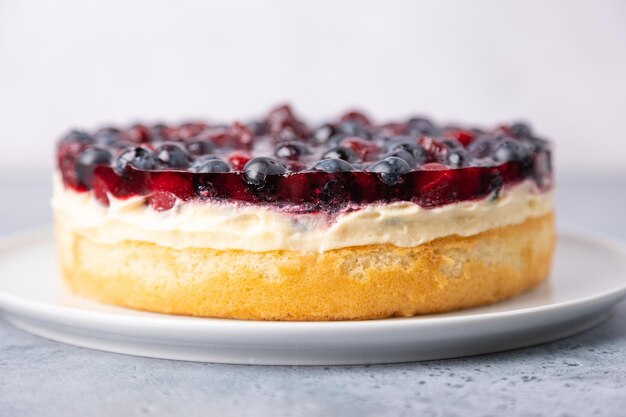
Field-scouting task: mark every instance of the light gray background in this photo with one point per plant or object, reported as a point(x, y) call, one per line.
point(558, 63)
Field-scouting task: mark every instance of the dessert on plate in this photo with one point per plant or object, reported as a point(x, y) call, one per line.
point(276, 219)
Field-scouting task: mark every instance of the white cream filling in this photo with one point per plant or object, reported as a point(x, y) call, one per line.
point(260, 229)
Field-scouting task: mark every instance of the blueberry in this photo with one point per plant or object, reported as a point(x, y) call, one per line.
point(535, 144)
point(350, 128)
point(257, 169)
point(422, 126)
point(509, 150)
point(340, 152)
point(409, 145)
point(171, 155)
point(520, 130)
point(458, 158)
point(87, 161)
point(78, 136)
point(482, 147)
point(332, 165)
point(209, 164)
point(107, 136)
point(290, 150)
point(137, 157)
point(199, 147)
point(336, 139)
point(390, 169)
point(323, 133)
point(452, 144)
point(257, 128)
point(408, 157)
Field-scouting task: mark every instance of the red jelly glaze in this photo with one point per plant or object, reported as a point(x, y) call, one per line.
point(301, 188)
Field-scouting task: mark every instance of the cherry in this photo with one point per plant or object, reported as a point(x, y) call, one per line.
point(434, 166)
point(238, 160)
point(189, 130)
point(138, 133)
point(434, 148)
point(357, 117)
point(243, 134)
point(364, 149)
point(464, 137)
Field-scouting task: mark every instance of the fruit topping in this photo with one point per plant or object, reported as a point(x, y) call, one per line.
point(171, 155)
point(257, 170)
point(137, 157)
point(280, 160)
point(390, 169)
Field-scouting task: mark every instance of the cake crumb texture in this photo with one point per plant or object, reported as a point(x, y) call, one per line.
point(365, 282)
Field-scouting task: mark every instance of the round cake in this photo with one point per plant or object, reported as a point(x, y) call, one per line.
point(275, 219)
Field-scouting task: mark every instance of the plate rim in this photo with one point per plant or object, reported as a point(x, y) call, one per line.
point(52, 313)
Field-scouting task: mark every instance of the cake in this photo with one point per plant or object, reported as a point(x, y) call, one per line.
point(275, 219)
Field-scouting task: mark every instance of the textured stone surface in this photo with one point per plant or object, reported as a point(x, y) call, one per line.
point(581, 376)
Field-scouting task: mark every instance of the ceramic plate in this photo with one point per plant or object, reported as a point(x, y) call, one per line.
point(588, 279)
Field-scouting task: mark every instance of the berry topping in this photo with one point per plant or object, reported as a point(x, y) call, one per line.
point(171, 155)
point(87, 161)
point(257, 170)
point(364, 149)
point(107, 136)
point(323, 133)
point(138, 133)
point(509, 150)
point(208, 164)
point(356, 117)
point(280, 160)
point(520, 130)
point(408, 145)
point(341, 152)
point(291, 150)
point(78, 136)
point(408, 157)
point(199, 147)
point(137, 157)
point(457, 158)
point(238, 160)
point(422, 126)
point(390, 169)
point(332, 165)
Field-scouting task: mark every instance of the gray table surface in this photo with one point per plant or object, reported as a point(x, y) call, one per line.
point(584, 375)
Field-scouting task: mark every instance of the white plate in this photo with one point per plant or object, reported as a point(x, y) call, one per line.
point(589, 278)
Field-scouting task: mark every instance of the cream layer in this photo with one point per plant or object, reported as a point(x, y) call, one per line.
point(258, 228)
